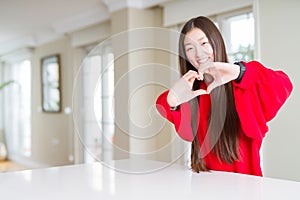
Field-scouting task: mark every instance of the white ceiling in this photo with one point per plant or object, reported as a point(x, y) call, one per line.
point(28, 23)
point(33, 22)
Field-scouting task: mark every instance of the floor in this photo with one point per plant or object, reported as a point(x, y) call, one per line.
point(6, 166)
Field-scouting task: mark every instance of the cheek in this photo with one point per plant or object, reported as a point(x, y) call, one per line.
point(190, 57)
point(211, 52)
point(212, 56)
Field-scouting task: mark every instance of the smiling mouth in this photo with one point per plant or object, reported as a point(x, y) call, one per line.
point(203, 60)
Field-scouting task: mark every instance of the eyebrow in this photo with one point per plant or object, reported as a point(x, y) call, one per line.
point(188, 43)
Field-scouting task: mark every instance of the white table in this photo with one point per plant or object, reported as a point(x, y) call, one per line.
point(96, 181)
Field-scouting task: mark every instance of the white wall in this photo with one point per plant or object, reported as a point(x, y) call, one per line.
point(279, 32)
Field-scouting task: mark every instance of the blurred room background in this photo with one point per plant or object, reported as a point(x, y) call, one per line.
point(64, 116)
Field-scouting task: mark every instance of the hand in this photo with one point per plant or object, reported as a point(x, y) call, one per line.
point(182, 90)
point(220, 73)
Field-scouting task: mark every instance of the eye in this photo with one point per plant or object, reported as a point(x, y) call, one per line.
point(204, 43)
point(189, 49)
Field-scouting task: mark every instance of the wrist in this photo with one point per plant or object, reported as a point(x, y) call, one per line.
point(236, 71)
point(171, 100)
point(173, 108)
point(242, 70)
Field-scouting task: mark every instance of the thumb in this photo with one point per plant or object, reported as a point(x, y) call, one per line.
point(212, 86)
point(199, 92)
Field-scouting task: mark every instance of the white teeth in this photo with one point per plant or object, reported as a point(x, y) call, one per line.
point(201, 61)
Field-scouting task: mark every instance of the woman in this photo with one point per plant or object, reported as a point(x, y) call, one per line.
point(222, 108)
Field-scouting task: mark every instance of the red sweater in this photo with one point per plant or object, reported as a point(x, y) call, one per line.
point(258, 97)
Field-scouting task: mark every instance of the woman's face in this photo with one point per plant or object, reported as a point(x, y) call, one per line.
point(197, 48)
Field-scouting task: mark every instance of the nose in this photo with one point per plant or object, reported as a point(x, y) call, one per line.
point(200, 53)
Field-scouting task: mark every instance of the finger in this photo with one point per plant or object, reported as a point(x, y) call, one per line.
point(201, 77)
point(192, 79)
point(205, 66)
point(210, 70)
point(191, 76)
point(212, 86)
point(189, 73)
point(199, 92)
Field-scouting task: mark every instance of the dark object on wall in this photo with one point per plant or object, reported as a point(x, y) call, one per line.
point(51, 86)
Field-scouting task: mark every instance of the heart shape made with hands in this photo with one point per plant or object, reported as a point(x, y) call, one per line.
point(213, 73)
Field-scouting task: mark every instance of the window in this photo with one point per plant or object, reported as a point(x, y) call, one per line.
point(239, 35)
point(97, 103)
point(17, 108)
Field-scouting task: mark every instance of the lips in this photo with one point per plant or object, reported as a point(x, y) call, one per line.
point(203, 60)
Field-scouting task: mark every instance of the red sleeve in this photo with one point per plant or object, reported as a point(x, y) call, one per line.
point(259, 96)
point(181, 118)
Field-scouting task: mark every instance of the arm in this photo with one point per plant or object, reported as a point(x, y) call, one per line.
point(181, 118)
point(179, 95)
point(259, 96)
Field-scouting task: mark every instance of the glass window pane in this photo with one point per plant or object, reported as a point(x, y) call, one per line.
point(17, 111)
point(240, 39)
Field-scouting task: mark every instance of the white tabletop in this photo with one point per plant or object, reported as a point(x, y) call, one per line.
point(97, 181)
